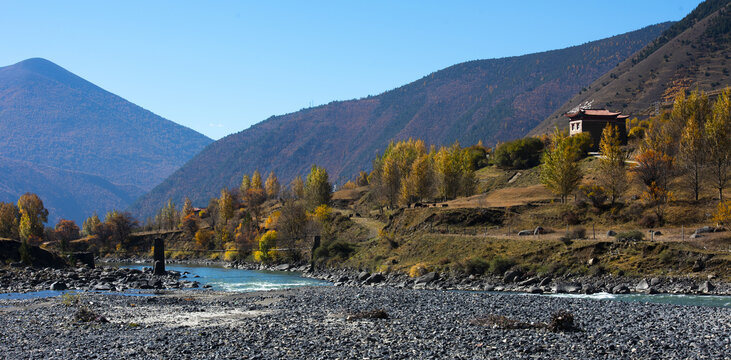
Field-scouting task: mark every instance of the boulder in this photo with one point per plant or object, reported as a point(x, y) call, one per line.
point(611, 233)
point(512, 275)
point(427, 278)
point(705, 229)
point(706, 287)
point(643, 285)
point(620, 289)
point(363, 276)
point(587, 289)
point(375, 278)
point(655, 281)
point(525, 233)
point(532, 281)
point(592, 261)
point(539, 230)
point(561, 288)
point(545, 281)
point(535, 290)
point(58, 285)
point(657, 233)
point(696, 236)
point(282, 267)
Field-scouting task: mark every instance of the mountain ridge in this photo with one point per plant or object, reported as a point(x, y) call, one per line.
point(491, 100)
point(51, 118)
point(694, 57)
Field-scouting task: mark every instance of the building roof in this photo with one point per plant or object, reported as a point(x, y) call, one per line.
point(596, 112)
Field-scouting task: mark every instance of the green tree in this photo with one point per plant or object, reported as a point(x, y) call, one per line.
point(318, 189)
point(256, 180)
point(272, 186)
point(612, 169)
point(718, 140)
point(560, 170)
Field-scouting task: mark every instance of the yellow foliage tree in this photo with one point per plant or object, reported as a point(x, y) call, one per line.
point(256, 180)
point(272, 185)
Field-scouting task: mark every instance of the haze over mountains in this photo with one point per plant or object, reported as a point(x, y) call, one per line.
point(692, 54)
point(79, 147)
point(490, 100)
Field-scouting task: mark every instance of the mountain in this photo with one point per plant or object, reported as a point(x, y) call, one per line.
point(67, 133)
point(692, 54)
point(59, 189)
point(490, 100)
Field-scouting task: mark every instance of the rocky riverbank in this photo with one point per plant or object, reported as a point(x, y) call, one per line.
point(511, 281)
point(25, 279)
point(343, 322)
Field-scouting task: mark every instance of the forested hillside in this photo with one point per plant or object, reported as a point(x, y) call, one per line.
point(692, 54)
point(51, 118)
point(489, 100)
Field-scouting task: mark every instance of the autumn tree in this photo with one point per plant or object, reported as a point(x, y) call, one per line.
point(245, 184)
point(9, 220)
point(362, 179)
point(226, 206)
point(420, 183)
point(167, 217)
point(32, 216)
point(117, 227)
point(692, 154)
point(298, 187)
point(718, 140)
point(560, 170)
point(272, 186)
point(318, 189)
point(90, 224)
point(187, 208)
point(454, 172)
point(612, 167)
point(256, 182)
point(65, 231)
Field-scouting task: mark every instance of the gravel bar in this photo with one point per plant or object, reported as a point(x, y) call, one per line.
point(318, 323)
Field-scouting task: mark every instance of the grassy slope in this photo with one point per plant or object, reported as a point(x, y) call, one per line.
point(446, 248)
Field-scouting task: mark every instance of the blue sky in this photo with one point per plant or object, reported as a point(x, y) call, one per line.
point(222, 66)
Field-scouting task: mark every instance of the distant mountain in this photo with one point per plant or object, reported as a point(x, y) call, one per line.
point(65, 193)
point(53, 119)
point(490, 100)
point(692, 54)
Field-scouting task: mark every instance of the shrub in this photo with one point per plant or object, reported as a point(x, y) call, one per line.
point(570, 217)
point(474, 266)
point(723, 213)
point(417, 270)
point(649, 221)
point(519, 154)
point(499, 265)
point(595, 194)
point(580, 143)
point(633, 235)
point(573, 234)
point(340, 249)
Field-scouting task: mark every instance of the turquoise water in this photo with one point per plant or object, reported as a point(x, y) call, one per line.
point(225, 279)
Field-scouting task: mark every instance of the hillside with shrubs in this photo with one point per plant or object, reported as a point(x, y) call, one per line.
point(543, 205)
